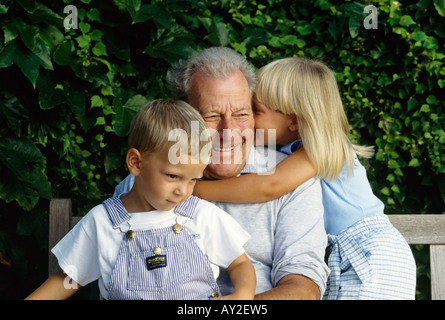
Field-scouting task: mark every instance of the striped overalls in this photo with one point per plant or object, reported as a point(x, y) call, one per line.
point(159, 264)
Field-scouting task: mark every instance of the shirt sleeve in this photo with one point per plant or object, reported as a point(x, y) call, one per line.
point(300, 236)
point(77, 252)
point(222, 237)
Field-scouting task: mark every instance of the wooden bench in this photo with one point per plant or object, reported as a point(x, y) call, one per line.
point(426, 229)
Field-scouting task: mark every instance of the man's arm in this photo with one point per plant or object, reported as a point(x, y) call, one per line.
point(299, 270)
point(292, 287)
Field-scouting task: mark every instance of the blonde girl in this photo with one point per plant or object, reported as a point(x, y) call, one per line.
point(300, 100)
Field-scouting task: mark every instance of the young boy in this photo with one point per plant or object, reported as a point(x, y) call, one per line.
point(156, 241)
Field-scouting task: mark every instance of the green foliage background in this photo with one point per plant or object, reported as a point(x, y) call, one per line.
point(67, 97)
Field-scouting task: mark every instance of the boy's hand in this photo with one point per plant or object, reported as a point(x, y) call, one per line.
point(243, 278)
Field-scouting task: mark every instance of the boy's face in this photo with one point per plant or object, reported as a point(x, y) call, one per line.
point(268, 119)
point(162, 185)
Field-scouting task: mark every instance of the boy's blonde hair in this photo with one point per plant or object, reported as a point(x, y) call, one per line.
point(152, 125)
point(308, 89)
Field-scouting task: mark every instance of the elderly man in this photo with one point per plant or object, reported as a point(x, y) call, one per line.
point(288, 239)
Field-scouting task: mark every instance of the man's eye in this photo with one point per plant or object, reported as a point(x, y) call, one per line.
point(171, 176)
point(212, 117)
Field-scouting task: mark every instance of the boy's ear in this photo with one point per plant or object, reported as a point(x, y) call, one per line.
point(134, 159)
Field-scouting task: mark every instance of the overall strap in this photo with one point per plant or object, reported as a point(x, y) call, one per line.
point(116, 211)
point(188, 207)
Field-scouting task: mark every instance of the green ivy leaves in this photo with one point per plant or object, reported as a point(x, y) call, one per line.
point(25, 181)
point(67, 96)
point(124, 114)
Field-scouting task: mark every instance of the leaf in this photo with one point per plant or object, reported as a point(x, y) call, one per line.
point(83, 41)
point(275, 42)
point(425, 108)
point(254, 36)
point(124, 114)
point(3, 9)
point(406, 21)
point(7, 54)
point(14, 113)
point(414, 163)
point(99, 49)
point(305, 29)
point(353, 8)
point(133, 5)
point(76, 100)
point(29, 225)
point(29, 63)
point(96, 101)
point(50, 96)
point(151, 11)
point(431, 43)
point(440, 7)
point(112, 162)
point(27, 166)
point(43, 54)
point(218, 35)
point(28, 5)
point(44, 14)
point(288, 39)
point(93, 14)
point(419, 35)
point(170, 49)
point(355, 23)
point(64, 54)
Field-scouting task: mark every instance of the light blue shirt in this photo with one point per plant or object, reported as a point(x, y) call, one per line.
point(347, 199)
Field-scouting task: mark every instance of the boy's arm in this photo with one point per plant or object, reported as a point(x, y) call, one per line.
point(55, 288)
point(243, 278)
point(285, 177)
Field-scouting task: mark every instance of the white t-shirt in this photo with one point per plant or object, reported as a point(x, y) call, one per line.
point(89, 251)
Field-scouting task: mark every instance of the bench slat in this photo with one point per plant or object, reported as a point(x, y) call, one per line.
point(60, 213)
point(420, 228)
point(437, 258)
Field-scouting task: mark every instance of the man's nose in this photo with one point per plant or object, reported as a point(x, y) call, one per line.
point(226, 123)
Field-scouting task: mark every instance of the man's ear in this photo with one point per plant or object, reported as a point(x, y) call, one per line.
point(134, 159)
point(293, 126)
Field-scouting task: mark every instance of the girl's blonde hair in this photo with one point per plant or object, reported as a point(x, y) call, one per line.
point(308, 89)
point(151, 126)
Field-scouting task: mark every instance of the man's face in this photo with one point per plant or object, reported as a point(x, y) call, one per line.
point(226, 108)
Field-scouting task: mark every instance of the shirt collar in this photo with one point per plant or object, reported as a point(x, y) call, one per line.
point(118, 214)
point(291, 147)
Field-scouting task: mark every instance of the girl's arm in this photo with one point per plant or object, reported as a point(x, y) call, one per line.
point(55, 289)
point(243, 278)
point(285, 177)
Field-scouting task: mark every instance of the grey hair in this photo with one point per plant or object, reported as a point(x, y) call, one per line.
point(218, 62)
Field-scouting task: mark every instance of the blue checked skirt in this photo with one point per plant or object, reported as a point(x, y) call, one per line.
point(370, 261)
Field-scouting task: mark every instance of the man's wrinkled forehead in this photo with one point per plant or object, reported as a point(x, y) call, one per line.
point(213, 93)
